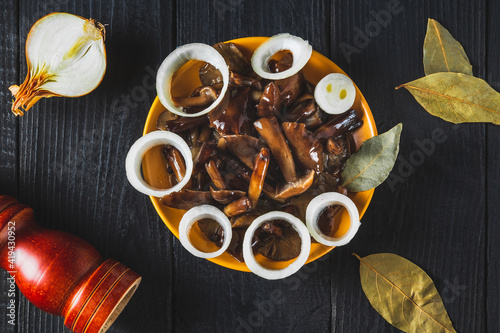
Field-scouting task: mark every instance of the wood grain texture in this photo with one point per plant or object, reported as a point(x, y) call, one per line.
point(438, 210)
point(417, 214)
point(9, 69)
point(493, 175)
point(73, 154)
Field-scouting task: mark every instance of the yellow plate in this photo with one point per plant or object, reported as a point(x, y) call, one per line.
point(183, 83)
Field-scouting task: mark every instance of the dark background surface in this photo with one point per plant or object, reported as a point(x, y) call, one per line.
point(66, 156)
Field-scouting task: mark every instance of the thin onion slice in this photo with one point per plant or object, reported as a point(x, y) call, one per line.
point(274, 274)
point(175, 60)
point(301, 51)
point(136, 153)
point(335, 93)
point(204, 212)
point(316, 207)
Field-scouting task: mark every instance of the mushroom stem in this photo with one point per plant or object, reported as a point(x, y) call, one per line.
point(337, 126)
point(244, 173)
point(273, 229)
point(207, 149)
point(206, 96)
point(270, 131)
point(243, 221)
point(269, 101)
point(215, 174)
point(238, 207)
point(258, 176)
point(244, 81)
point(226, 196)
point(186, 123)
point(186, 199)
point(175, 162)
point(205, 133)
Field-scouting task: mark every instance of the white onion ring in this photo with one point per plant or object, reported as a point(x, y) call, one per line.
point(136, 153)
point(274, 274)
point(301, 51)
point(316, 207)
point(204, 212)
point(175, 60)
point(330, 101)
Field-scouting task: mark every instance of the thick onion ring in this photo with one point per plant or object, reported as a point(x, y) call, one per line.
point(136, 153)
point(203, 212)
point(316, 207)
point(275, 274)
point(175, 60)
point(301, 51)
point(330, 101)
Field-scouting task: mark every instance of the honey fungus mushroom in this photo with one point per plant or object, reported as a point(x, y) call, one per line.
point(277, 240)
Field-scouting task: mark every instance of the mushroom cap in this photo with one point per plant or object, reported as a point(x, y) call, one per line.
point(297, 187)
point(277, 240)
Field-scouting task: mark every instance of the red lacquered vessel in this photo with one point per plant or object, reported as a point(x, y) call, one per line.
point(61, 273)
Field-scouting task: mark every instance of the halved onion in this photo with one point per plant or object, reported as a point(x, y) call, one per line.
point(136, 153)
point(204, 212)
point(316, 207)
point(274, 274)
point(175, 60)
point(335, 93)
point(301, 51)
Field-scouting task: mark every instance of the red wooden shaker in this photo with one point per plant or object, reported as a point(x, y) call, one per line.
point(61, 273)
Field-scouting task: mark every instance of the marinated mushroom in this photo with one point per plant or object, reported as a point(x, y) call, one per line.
point(225, 197)
point(328, 221)
point(202, 97)
point(215, 174)
point(270, 131)
point(301, 110)
point(233, 119)
point(238, 207)
point(210, 76)
point(277, 240)
point(280, 62)
point(186, 199)
point(207, 149)
point(296, 187)
point(163, 118)
point(244, 81)
point(184, 124)
point(243, 221)
point(245, 147)
point(212, 230)
point(339, 125)
point(258, 176)
point(270, 101)
point(235, 60)
point(175, 162)
point(291, 88)
point(306, 149)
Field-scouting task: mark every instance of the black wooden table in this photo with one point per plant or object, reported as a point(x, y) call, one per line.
point(439, 209)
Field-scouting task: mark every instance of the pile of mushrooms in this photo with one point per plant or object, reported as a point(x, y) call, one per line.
point(255, 159)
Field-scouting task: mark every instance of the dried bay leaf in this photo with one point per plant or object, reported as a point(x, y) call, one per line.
point(456, 97)
point(403, 294)
point(373, 162)
point(442, 52)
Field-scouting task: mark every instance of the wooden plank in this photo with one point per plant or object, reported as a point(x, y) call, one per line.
point(432, 210)
point(72, 154)
point(9, 70)
point(209, 298)
point(493, 174)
